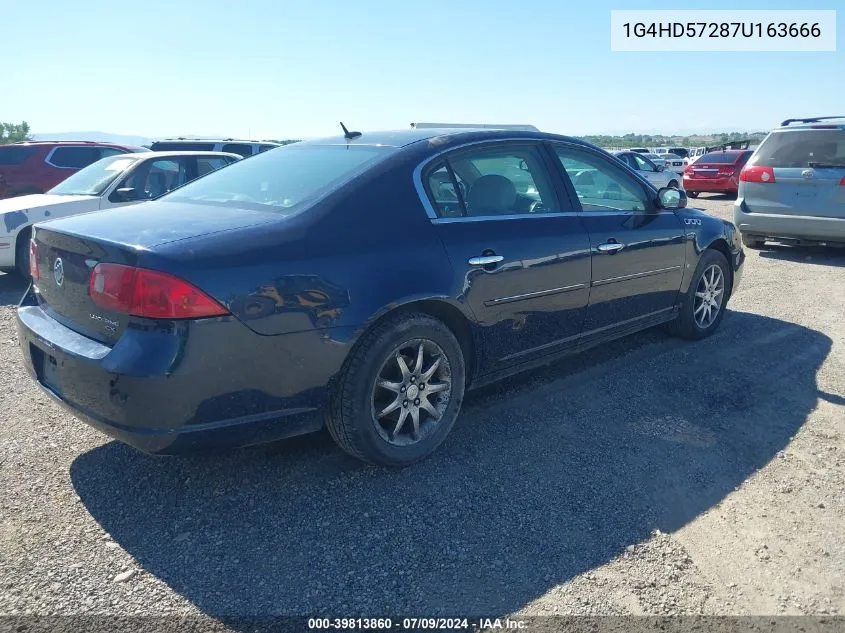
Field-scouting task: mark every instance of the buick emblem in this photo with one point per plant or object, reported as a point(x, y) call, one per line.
point(59, 271)
point(808, 174)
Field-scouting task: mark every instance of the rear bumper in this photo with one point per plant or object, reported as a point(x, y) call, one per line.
point(790, 227)
point(202, 385)
point(715, 185)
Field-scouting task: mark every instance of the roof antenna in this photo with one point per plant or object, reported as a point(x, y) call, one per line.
point(347, 134)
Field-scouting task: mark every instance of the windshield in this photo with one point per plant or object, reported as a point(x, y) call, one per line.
point(282, 179)
point(94, 179)
point(802, 148)
point(719, 157)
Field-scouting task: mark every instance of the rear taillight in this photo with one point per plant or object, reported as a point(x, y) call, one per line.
point(757, 173)
point(148, 293)
point(33, 259)
point(842, 182)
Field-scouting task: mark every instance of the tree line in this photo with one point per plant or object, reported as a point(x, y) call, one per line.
point(659, 140)
point(14, 132)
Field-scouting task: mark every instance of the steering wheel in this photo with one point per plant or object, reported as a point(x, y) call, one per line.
point(537, 207)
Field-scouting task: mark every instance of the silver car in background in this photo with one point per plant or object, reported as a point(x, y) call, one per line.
point(792, 189)
point(656, 174)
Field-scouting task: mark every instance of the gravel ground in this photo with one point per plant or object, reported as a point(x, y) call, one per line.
point(650, 476)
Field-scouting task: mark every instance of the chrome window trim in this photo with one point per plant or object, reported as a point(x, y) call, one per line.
point(429, 208)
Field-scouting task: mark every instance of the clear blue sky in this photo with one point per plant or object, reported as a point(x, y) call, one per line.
point(281, 69)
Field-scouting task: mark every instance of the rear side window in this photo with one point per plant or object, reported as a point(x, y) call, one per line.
point(243, 149)
point(283, 180)
point(166, 146)
point(264, 148)
point(74, 157)
point(719, 157)
point(11, 155)
point(802, 148)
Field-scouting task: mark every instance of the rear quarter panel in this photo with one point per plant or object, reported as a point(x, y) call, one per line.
point(367, 248)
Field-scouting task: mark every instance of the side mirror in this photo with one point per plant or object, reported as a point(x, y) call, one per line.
point(125, 194)
point(671, 198)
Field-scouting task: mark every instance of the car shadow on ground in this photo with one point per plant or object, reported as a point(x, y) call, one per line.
point(12, 288)
point(822, 255)
point(544, 477)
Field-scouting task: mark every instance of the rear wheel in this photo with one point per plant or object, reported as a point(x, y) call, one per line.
point(692, 194)
point(22, 255)
point(707, 297)
point(399, 392)
point(752, 242)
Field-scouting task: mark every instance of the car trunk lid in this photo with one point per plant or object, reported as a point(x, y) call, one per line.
point(68, 250)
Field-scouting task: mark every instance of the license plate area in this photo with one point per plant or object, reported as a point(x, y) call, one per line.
point(46, 368)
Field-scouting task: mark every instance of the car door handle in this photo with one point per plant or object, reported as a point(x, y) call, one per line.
point(610, 247)
point(485, 260)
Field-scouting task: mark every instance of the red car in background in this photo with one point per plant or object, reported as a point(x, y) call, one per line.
point(716, 172)
point(37, 166)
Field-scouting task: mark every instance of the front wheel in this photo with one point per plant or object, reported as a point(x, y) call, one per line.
point(707, 297)
point(673, 183)
point(399, 392)
point(692, 194)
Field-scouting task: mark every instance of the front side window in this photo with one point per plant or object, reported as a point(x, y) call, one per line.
point(643, 164)
point(491, 181)
point(802, 148)
point(157, 177)
point(282, 180)
point(94, 179)
point(601, 186)
point(74, 157)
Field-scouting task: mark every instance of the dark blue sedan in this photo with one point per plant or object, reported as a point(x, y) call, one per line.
point(363, 282)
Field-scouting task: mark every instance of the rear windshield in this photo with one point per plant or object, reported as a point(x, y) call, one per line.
point(14, 155)
point(719, 157)
point(282, 179)
point(802, 148)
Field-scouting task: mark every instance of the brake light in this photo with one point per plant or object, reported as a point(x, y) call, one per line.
point(757, 173)
point(842, 182)
point(148, 293)
point(33, 259)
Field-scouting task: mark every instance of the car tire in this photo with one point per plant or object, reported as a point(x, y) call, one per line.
point(753, 243)
point(674, 183)
point(692, 194)
point(22, 255)
point(712, 272)
point(356, 400)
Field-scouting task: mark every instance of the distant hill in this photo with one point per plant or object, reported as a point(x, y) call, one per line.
point(106, 137)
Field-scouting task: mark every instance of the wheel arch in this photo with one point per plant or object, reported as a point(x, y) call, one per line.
point(449, 314)
point(720, 244)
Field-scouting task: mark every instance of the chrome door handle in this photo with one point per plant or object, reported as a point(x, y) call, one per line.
point(485, 260)
point(610, 247)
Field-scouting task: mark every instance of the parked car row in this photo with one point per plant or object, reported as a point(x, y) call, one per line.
point(117, 180)
point(37, 166)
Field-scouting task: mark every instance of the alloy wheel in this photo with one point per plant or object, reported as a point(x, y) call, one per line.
point(411, 392)
point(709, 296)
